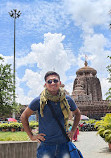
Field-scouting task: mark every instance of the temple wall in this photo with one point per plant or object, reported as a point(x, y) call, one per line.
point(91, 85)
point(94, 109)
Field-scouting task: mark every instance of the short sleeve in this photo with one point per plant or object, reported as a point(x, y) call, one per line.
point(35, 104)
point(71, 102)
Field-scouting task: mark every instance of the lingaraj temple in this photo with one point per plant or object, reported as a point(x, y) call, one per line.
point(88, 95)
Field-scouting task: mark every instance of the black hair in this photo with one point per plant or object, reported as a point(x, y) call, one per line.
point(51, 73)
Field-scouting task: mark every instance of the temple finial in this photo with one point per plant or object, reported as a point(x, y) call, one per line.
point(85, 63)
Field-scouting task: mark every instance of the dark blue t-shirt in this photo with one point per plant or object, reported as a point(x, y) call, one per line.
point(48, 124)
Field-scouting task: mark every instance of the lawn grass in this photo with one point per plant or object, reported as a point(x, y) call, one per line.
point(13, 136)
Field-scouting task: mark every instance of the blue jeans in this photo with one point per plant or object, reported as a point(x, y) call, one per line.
point(53, 151)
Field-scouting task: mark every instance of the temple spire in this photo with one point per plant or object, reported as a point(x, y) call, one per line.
point(85, 63)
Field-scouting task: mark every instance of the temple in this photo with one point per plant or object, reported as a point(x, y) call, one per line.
point(86, 85)
point(88, 95)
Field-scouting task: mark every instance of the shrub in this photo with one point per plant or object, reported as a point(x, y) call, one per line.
point(4, 125)
point(33, 124)
point(15, 125)
point(104, 127)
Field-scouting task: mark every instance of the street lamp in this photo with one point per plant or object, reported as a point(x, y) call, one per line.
point(14, 14)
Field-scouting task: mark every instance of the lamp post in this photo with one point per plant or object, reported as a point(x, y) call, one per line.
point(14, 14)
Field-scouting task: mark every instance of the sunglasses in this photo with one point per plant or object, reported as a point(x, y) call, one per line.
point(54, 80)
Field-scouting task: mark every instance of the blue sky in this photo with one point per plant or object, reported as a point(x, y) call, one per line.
point(55, 35)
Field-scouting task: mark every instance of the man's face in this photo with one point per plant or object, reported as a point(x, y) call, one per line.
point(52, 84)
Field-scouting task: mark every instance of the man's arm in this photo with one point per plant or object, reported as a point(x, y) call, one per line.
point(24, 119)
point(77, 116)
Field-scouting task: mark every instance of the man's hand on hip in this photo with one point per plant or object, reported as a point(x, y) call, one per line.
point(38, 137)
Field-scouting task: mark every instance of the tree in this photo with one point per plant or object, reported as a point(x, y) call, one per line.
point(109, 79)
point(7, 106)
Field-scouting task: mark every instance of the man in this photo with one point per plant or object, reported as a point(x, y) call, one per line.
point(53, 144)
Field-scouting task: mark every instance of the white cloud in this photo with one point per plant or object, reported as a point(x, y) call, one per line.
point(34, 81)
point(88, 13)
point(94, 47)
point(49, 55)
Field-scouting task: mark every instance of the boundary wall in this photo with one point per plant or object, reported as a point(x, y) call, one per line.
point(9, 149)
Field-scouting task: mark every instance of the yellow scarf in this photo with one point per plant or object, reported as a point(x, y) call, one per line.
point(60, 97)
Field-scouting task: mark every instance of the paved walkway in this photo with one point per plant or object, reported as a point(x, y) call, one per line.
point(92, 145)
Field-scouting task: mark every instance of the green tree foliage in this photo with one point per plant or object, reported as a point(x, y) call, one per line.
point(7, 106)
point(6, 88)
point(108, 94)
